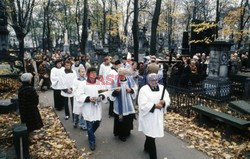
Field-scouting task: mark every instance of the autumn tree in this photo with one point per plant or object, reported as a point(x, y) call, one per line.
point(235, 22)
point(20, 15)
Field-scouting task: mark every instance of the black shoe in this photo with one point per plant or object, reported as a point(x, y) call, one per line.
point(92, 147)
point(122, 138)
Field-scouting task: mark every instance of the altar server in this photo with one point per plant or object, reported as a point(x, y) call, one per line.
point(56, 84)
point(151, 113)
point(88, 94)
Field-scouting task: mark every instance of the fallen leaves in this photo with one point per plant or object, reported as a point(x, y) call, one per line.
point(51, 141)
point(209, 140)
point(6, 122)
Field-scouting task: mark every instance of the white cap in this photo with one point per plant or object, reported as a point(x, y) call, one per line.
point(26, 77)
point(129, 56)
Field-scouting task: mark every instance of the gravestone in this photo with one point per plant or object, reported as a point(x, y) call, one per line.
point(4, 33)
point(217, 84)
point(185, 45)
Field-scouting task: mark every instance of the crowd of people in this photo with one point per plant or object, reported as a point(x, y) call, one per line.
point(81, 88)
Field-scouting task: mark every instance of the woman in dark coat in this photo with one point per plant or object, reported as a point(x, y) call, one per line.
point(28, 101)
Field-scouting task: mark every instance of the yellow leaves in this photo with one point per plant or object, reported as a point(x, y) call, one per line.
point(52, 141)
point(207, 40)
point(208, 140)
point(198, 28)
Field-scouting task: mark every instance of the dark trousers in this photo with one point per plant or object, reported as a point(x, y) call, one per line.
point(91, 128)
point(66, 105)
point(150, 147)
point(111, 107)
point(58, 99)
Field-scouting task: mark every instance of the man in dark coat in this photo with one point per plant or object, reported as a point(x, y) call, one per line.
point(28, 101)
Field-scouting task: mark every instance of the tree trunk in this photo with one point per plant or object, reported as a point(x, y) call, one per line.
point(154, 27)
point(44, 27)
point(77, 23)
point(110, 25)
point(195, 9)
point(48, 27)
point(217, 18)
point(84, 28)
point(20, 38)
point(135, 29)
point(127, 19)
point(104, 22)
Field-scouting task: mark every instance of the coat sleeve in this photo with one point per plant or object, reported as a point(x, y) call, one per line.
point(145, 105)
point(80, 93)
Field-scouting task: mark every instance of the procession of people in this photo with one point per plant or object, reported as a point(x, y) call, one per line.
point(132, 90)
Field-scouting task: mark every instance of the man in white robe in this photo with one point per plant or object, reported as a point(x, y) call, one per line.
point(68, 76)
point(151, 113)
point(77, 105)
point(111, 77)
point(56, 84)
point(88, 94)
point(105, 68)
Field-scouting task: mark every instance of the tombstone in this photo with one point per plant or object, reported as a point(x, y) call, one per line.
point(185, 45)
point(217, 84)
point(21, 141)
point(4, 33)
point(66, 42)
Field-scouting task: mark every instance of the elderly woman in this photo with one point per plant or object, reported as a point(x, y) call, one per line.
point(151, 113)
point(124, 93)
point(28, 101)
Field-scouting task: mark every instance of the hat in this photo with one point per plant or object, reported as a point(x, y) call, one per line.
point(76, 59)
point(26, 77)
point(117, 62)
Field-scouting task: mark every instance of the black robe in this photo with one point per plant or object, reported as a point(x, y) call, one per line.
point(28, 101)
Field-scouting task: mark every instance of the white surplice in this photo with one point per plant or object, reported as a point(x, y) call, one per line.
point(67, 81)
point(89, 110)
point(151, 124)
point(56, 78)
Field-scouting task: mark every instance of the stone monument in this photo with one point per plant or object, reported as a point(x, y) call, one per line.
point(217, 83)
point(66, 42)
point(4, 33)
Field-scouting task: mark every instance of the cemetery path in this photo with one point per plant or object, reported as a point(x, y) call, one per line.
point(110, 147)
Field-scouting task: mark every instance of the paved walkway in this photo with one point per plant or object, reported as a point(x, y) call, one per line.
point(110, 147)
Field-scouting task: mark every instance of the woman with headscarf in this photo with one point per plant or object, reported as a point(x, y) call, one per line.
point(28, 101)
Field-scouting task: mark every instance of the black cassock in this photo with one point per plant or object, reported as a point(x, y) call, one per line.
point(28, 101)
